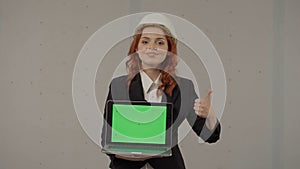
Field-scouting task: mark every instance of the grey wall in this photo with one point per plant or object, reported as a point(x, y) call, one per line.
point(258, 42)
point(290, 83)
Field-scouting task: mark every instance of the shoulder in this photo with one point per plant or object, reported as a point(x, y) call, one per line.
point(181, 81)
point(186, 88)
point(119, 82)
point(120, 79)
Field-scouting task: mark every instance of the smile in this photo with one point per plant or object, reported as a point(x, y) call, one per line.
point(151, 53)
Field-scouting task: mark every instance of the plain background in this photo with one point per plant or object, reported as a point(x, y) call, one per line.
point(258, 42)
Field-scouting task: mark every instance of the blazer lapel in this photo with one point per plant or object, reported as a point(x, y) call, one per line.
point(171, 99)
point(136, 92)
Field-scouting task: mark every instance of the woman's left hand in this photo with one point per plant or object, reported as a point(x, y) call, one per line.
point(203, 109)
point(202, 106)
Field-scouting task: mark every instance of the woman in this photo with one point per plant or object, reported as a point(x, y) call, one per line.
point(152, 77)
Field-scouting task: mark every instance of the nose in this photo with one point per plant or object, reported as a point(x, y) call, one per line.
point(152, 46)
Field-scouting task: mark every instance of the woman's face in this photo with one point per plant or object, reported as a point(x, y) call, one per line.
point(152, 47)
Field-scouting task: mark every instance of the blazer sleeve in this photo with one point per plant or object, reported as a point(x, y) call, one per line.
point(198, 123)
point(109, 97)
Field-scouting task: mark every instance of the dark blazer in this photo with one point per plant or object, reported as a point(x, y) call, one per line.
point(183, 97)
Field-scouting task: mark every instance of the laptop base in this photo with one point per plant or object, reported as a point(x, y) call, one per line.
point(138, 152)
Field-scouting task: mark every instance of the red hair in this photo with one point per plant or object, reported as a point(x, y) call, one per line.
point(167, 67)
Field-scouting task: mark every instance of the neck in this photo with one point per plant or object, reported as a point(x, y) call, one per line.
point(152, 73)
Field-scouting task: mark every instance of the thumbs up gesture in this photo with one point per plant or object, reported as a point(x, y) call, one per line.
point(203, 109)
point(202, 106)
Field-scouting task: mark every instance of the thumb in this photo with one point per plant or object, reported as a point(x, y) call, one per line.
point(208, 94)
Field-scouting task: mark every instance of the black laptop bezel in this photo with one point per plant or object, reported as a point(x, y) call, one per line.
point(168, 135)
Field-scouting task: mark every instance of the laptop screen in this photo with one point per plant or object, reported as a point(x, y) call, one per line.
point(138, 123)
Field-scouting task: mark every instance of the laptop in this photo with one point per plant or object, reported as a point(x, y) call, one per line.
point(138, 128)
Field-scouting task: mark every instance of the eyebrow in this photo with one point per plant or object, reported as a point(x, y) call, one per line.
point(145, 37)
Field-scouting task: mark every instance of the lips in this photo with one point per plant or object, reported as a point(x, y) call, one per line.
point(151, 53)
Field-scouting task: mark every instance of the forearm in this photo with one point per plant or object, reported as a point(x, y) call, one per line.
point(211, 121)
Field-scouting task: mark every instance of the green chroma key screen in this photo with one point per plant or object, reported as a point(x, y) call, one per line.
point(139, 124)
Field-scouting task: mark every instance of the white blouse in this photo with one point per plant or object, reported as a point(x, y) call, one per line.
point(150, 88)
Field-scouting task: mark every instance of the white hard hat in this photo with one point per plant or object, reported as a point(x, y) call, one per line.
point(157, 19)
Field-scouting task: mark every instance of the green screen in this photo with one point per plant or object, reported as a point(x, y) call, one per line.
point(139, 124)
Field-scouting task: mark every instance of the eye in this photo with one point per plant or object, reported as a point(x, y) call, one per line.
point(144, 42)
point(160, 42)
